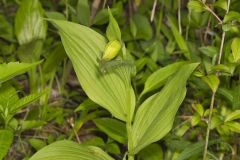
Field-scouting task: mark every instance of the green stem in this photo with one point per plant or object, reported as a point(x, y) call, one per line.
point(179, 17)
point(208, 127)
point(130, 157)
point(130, 141)
point(33, 80)
point(214, 93)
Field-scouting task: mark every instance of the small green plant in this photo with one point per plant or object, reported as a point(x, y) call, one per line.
point(153, 118)
point(10, 104)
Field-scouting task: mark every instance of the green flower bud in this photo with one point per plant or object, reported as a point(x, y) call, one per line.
point(111, 50)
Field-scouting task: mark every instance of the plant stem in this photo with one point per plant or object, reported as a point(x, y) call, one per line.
point(221, 48)
point(130, 157)
point(179, 17)
point(223, 37)
point(214, 14)
point(130, 142)
point(208, 126)
point(214, 93)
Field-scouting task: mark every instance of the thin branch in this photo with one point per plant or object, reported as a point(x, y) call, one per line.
point(153, 10)
point(207, 29)
point(223, 37)
point(179, 17)
point(221, 48)
point(208, 126)
point(214, 14)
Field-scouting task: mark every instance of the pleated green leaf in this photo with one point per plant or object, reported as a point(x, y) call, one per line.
point(6, 139)
point(29, 23)
point(68, 150)
point(159, 77)
point(9, 70)
point(155, 117)
point(112, 90)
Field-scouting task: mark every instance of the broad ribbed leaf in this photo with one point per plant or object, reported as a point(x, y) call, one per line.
point(113, 128)
point(29, 24)
point(9, 70)
point(159, 77)
point(68, 150)
point(111, 90)
point(6, 138)
point(155, 117)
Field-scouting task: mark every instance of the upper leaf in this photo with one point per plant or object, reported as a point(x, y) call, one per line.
point(157, 79)
point(154, 118)
point(112, 90)
point(29, 24)
point(113, 31)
